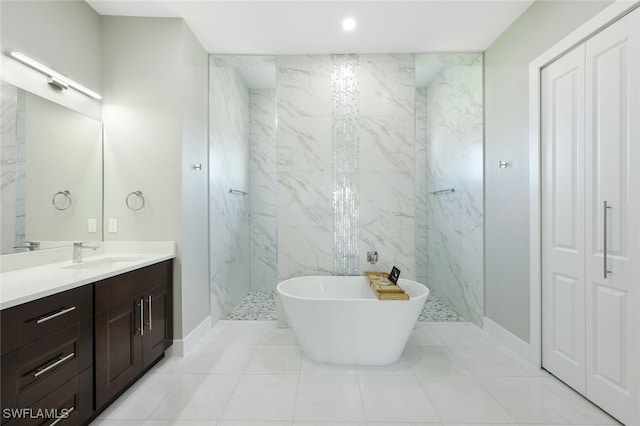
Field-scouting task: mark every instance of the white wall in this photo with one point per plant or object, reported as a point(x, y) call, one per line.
point(195, 205)
point(65, 35)
point(155, 127)
point(506, 138)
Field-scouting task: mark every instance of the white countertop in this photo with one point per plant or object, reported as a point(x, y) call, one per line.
point(28, 284)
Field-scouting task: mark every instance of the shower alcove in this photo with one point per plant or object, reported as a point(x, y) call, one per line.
point(280, 129)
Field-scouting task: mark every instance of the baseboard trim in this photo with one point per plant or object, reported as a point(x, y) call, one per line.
point(181, 347)
point(518, 345)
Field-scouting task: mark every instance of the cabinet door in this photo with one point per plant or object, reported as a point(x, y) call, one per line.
point(118, 343)
point(613, 232)
point(158, 320)
point(563, 298)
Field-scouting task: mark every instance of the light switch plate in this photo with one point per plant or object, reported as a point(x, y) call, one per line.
point(113, 225)
point(92, 225)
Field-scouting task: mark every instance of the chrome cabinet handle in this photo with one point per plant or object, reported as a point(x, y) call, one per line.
point(57, 314)
point(150, 320)
point(604, 238)
point(142, 317)
point(59, 419)
point(41, 370)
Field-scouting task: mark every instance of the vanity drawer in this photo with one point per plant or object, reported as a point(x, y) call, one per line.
point(26, 323)
point(64, 405)
point(35, 370)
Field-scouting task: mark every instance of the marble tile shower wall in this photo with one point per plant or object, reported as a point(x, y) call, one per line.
point(8, 103)
point(387, 164)
point(229, 168)
point(263, 187)
point(12, 137)
point(454, 154)
point(304, 164)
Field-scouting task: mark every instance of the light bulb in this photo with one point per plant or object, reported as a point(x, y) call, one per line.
point(349, 24)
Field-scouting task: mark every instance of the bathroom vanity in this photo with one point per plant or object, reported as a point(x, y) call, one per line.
point(133, 327)
point(75, 336)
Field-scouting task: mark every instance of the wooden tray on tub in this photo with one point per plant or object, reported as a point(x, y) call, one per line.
point(385, 292)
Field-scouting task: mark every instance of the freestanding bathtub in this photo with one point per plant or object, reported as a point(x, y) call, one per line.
point(339, 320)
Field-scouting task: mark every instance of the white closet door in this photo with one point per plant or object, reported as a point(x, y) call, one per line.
point(612, 154)
point(563, 274)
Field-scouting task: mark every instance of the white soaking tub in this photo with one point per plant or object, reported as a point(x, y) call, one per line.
point(339, 320)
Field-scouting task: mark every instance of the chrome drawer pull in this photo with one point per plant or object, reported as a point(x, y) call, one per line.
point(57, 314)
point(59, 419)
point(62, 360)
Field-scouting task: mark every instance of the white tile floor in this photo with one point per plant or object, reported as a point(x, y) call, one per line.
point(251, 373)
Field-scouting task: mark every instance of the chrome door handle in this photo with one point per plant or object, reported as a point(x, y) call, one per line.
point(150, 320)
point(57, 314)
point(41, 370)
point(142, 317)
point(604, 238)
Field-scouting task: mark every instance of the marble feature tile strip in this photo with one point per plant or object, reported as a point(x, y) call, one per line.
point(345, 167)
point(422, 194)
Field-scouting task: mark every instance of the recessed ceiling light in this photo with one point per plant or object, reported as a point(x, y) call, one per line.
point(349, 24)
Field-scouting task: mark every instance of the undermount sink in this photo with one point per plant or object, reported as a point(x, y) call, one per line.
point(105, 262)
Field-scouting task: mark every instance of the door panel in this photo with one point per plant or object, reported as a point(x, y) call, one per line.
point(118, 349)
point(156, 335)
point(611, 336)
point(612, 158)
point(563, 219)
point(566, 318)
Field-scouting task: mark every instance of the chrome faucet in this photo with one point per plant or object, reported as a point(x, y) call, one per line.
point(32, 245)
point(77, 251)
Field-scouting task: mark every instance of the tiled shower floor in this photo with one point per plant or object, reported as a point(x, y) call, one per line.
point(261, 306)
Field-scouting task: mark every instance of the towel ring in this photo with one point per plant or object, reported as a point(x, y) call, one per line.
point(61, 200)
point(135, 200)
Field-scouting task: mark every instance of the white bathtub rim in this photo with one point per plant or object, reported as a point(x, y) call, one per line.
point(424, 290)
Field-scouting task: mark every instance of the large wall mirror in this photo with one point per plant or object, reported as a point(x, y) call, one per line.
point(51, 173)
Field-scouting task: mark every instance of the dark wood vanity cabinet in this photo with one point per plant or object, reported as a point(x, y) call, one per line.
point(133, 327)
point(71, 354)
point(47, 359)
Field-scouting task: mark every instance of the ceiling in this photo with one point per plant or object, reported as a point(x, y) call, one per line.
point(314, 27)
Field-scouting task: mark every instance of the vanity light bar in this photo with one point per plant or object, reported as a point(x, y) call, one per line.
point(59, 80)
